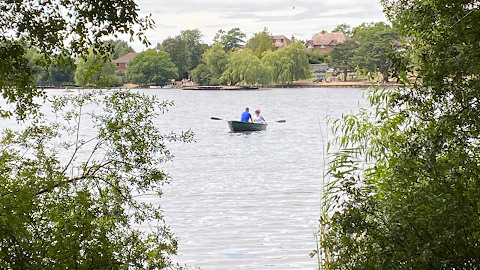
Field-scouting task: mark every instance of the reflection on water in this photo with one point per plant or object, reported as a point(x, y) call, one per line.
point(248, 200)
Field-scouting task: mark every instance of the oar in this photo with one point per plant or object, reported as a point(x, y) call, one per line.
point(278, 121)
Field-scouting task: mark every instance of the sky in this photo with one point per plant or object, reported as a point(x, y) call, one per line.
point(299, 18)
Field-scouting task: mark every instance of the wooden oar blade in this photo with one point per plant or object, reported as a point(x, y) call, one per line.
point(281, 121)
point(215, 118)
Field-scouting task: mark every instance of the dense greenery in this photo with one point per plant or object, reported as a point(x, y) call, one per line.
point(59, 30)
point(245, 68)
point(95, 70)
point(69, 177)
point(405, 182)
point(288, 64)
point(366, 50)
point(373, 47)
point(230, 39)
point(151, 68)
point(317, 57)
point(341, 56)
point(119, 47)
point(68, 187)
point(185, 50)
point(215, 63)
point(260, 43)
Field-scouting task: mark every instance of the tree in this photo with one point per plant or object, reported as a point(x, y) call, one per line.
point(61, 30)
point(202, 75)
point(245, 68)
point(344, 28)
point(61, 209)
point(371, 53)
point(193, 41)
point(94, 70)
point(212, 68)
point(80, 212)
point(342, 56)
point(62, 74)
point(359, 32)
point(404, 193)
point(177, 48)
point(316, 57)
point(216, 59)
point(260, 43)
point(119, 47)
point(151, 67)
point(185, 50)
point(230, 39)
point(288, 64)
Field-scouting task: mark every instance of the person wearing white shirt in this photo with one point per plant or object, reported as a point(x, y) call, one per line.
point(259, 118)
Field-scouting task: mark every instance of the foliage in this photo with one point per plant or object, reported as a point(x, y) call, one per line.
point(405, 186)
point(230, 39)
point(344, 28)
point(81, 212)
point(288, 64)
point(260, 43)
point(151, 67)
point(245, 68)
point(177, 49)
point(193, 40)
point(185, 50)
point(202, 75)
point(215, 63)
point(216, 60)
point(316, 57)
point(359, 32)
point(372, 51)
point(94, 70)
point(119, 47)
point(342, 56)
point(58, 30)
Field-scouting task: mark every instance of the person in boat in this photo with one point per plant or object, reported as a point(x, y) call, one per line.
point(259, 118)
point(246, 116)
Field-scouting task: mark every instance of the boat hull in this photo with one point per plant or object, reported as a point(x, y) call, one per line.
point(238, 126)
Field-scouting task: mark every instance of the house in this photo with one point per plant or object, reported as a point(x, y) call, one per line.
point(280, 41)
point(159, 47)
point(324, 41)
point(122, 62)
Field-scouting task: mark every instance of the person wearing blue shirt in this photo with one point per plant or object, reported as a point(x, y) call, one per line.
point(246, 116)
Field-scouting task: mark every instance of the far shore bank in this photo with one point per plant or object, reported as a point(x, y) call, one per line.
point(297, 84)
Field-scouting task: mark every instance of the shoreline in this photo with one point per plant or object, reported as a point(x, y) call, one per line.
point(298, 84)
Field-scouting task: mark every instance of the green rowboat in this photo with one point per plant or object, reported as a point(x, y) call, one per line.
point(238, 126)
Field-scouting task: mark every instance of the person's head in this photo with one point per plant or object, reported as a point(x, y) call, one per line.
point(257, 111)
point(247, 109)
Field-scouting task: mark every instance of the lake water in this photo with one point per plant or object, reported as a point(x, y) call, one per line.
point(247, 201)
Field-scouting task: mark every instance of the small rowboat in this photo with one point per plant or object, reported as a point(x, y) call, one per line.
point(238, 126)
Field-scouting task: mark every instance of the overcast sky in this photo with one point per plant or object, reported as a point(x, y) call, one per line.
point(299, 18)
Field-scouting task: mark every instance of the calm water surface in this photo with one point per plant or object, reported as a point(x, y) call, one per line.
point(249, 201)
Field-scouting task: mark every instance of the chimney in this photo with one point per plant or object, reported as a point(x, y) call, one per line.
point(323, 32)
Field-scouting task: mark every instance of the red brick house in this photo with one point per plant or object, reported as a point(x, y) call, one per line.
point(324, 41)
point(122, 62)
point(280, 41)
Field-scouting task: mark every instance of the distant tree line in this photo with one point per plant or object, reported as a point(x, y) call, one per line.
point(186, 56)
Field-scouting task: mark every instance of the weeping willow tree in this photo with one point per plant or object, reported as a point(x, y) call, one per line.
point(288, 64)
point(245, 68)
point(404, 174)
